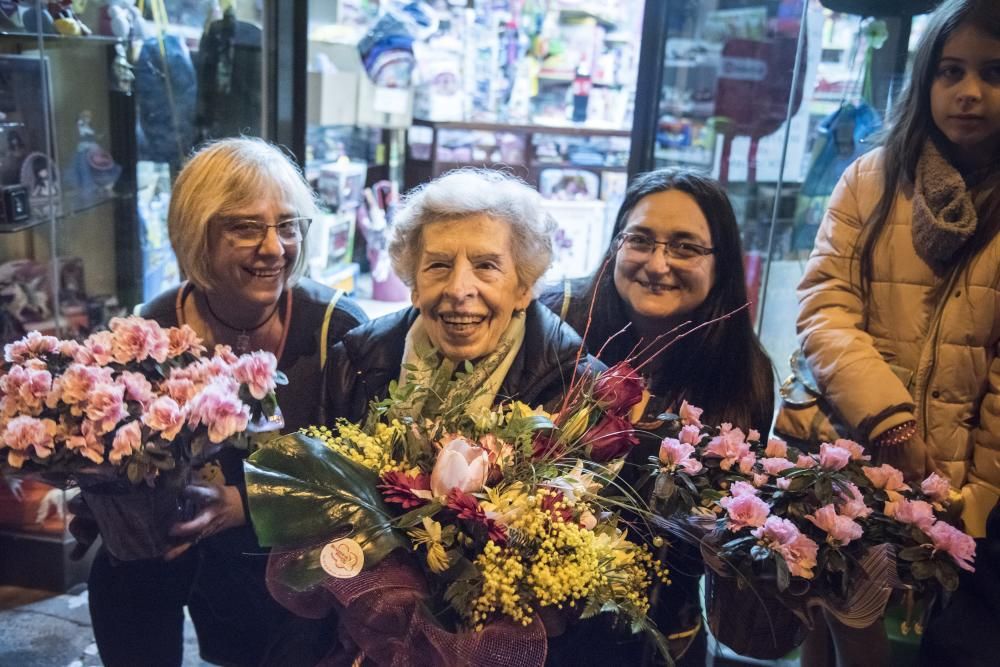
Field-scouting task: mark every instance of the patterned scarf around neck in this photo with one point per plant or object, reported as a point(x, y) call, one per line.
point(422, 363)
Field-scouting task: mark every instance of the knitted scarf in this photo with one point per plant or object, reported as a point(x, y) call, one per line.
point(944, 214)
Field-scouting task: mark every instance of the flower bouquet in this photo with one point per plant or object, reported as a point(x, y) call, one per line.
point(123, 414)
point(454, 528)
point(801, 530)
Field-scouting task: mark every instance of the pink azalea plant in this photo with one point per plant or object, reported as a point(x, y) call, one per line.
point(780, 513)
point(129, 400)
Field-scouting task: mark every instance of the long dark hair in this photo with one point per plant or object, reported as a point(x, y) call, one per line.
point(912, 126)
point(722, 368)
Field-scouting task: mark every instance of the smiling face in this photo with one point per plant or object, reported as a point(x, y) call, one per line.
point(251, 277)
point(465, 285)
point(659, 291)
point(965, 95)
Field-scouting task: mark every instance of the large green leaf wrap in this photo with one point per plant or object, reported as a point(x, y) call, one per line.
point(302, 494)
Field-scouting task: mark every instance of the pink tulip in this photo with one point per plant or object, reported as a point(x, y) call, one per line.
point(459, 465)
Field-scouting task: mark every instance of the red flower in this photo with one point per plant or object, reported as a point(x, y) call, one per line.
point(544, 446)
point(399, 488)
point(618, 389)
point(465, 506)
point(610, 438)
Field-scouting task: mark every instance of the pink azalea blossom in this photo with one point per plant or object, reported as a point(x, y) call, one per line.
point(784, 537)
point(676, 454)
point(805, 461)
point(853, 505)
point(98, 349)
point(690, 434)
point(885, 477)
point(690, 415)
point(128, 439)
point(776, 448)
point(32, 346)
point(166, 416)
point(136, 339)
point(747, 462)
point(184, 339)
point(840, 530)
point(776, 465)
point(753, 435)
point(25, 389)
point(106, 407)
point(25, 436)
point(760, 479)
point(225, 354)
point(744, 511)
point(958, 545)
point(783, 483)
point(137, 387)
point(730, 446)
point(742, 489)
point(68, 348)
point(256, 370)
point(936, 487)
point(218, 408)
point(856, 450)
point(87, 443)
point(76, 383)
point(832, 457)
point(914, 512)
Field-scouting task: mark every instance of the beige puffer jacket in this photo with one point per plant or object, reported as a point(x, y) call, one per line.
point(928, 348)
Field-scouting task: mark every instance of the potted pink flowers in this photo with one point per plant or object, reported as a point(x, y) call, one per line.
point(800, 529)
point(123, 414)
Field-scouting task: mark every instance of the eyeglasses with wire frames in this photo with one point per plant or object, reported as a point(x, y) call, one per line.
point(641, 246)
point(250, 233)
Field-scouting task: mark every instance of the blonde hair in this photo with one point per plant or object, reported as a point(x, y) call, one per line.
point(224, 177)
point(465, 192)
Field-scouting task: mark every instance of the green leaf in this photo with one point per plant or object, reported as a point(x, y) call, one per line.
point(922, 569)
point(946, 574)
point(302, 493)
point(914, 553)
point(416, 516)
point(783, 575)
point(664, 486)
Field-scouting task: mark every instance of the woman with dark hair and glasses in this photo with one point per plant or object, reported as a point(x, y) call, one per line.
point(238, 220)
point(675, 260)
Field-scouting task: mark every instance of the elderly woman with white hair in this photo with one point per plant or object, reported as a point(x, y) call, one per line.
point(238, 219)
point(470, 245)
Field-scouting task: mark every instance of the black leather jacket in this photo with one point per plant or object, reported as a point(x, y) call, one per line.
point(369, 357)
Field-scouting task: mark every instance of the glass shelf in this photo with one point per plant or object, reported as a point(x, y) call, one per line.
point(68, 205)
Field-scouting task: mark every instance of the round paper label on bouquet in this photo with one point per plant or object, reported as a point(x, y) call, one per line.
point(342, 559)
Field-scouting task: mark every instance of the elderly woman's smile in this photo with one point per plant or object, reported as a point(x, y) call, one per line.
point(466, 285)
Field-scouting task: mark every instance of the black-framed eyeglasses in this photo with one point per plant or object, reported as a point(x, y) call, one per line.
point(250, 233)
point(642, 246)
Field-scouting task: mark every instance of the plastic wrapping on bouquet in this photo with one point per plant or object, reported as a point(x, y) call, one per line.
point(135, 520)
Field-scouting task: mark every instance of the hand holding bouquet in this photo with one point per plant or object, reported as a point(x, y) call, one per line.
point(127, 407)
point(828, 528)
point(512, 512)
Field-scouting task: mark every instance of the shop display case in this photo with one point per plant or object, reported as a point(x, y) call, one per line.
point(68, 241)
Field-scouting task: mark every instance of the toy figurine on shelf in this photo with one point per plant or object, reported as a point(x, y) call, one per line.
point(40, 177)
point(65, 20)
point(121, 18)
point(94, 172)
point(121, 71)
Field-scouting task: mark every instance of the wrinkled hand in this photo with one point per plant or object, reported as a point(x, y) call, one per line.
point(219, 508)
point(912, 457)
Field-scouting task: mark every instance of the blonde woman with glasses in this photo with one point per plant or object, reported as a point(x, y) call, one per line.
point(238, 221)
point(675, 258)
